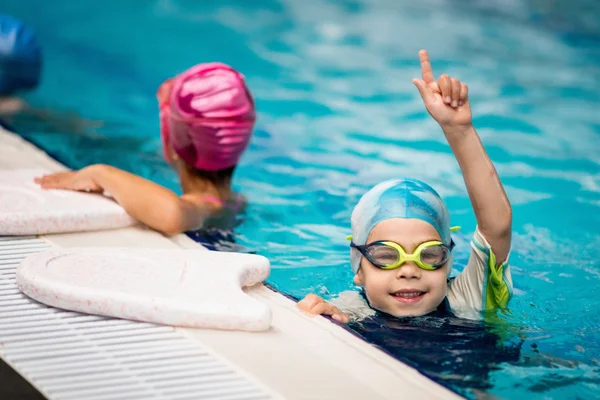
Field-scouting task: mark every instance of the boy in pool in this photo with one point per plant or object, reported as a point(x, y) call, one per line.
point(401, 248)
point(207, 115)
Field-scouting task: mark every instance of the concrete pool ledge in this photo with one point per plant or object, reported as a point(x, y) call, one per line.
point(300, 357)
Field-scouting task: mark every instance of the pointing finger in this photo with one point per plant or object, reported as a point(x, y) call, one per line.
point(426, 70)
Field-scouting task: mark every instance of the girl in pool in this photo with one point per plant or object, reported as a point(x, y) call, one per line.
point(207, 115)
point(401, 247)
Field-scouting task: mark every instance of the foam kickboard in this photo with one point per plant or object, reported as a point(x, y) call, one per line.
point(27, 209)
point(179, 287)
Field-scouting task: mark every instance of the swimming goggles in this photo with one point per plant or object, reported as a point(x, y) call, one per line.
point(388, 255)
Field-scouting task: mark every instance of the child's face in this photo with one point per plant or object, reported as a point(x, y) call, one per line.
point(407, 290)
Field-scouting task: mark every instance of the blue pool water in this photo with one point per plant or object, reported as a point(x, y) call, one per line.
point(338, 114)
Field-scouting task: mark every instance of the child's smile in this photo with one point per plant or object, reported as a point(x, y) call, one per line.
point(409, 296)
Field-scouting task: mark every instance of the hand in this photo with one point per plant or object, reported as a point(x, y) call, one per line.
point(81, 180)
point(447, 99)
point(315, 305)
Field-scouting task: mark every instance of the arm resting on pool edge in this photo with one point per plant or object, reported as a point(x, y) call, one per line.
point(155, 206)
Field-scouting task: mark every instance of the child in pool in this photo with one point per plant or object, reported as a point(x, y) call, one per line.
point(20, 64)
point(20, 71)
point(207, 115)
point(401, 249)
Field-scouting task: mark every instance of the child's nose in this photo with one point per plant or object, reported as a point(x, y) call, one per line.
point(408, 270)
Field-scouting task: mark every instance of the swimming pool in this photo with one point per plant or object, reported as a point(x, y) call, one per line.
point(338, 114)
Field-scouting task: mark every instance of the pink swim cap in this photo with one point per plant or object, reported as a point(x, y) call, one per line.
point(207, 116)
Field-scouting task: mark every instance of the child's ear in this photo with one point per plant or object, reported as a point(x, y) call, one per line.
point(359, 279)
point(173, 156)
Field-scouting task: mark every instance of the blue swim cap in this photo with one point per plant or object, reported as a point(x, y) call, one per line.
point(20, 56)
point(398, 198)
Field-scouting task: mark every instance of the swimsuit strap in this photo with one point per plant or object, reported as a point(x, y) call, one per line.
point(237, 203)
point(212, 199)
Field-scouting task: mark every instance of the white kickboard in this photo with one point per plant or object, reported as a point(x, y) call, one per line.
point(179, 287)
point(26, 209)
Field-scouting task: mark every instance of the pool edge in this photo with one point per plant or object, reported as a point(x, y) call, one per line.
point(306, 357)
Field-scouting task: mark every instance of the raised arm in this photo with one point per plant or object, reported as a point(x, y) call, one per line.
point(447, 102)
point(151, 204)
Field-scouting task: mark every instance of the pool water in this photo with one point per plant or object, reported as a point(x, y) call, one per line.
point(338, 114)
